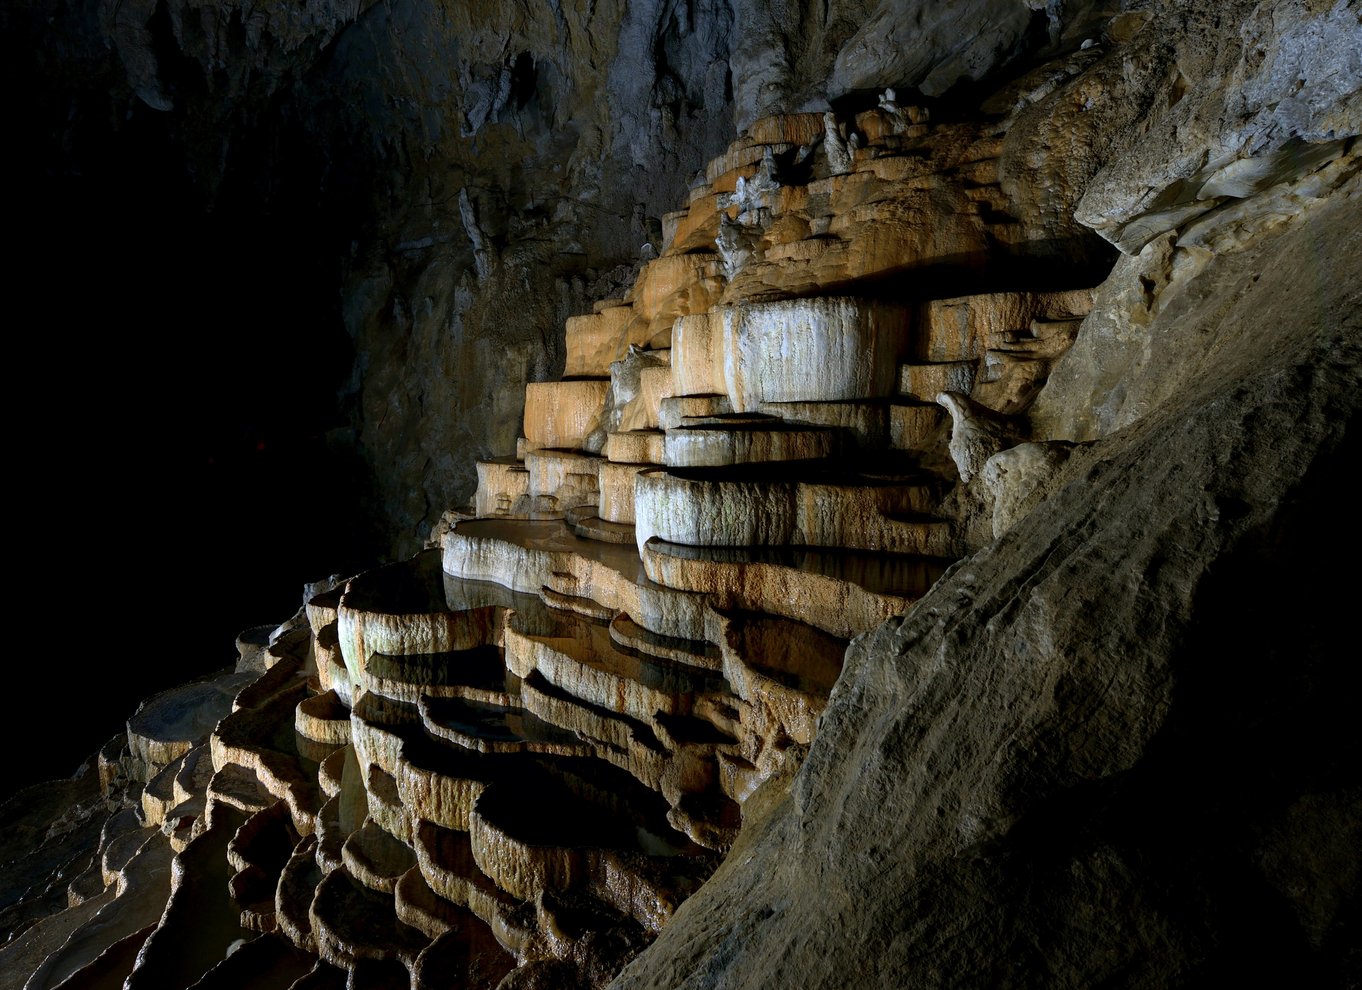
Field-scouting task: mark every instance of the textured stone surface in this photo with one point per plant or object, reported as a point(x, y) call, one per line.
point(1075, 711)
point(1077, 748)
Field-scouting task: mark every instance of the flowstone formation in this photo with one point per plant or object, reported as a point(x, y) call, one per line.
point(509, 759)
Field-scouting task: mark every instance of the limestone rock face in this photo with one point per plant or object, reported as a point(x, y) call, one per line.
point(1020, 477)
point(1175, 112)
point(906, 41)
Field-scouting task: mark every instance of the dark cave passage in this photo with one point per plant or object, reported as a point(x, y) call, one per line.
point(181, 433)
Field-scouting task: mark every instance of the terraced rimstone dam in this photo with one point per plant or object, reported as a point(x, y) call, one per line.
point(509, 759)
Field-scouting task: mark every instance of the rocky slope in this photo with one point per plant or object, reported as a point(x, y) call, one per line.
point(1113, 742)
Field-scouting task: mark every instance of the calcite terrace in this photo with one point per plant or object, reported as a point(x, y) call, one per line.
point(507, 760)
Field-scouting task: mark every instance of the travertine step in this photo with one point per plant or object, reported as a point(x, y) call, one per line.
point(596, 340)
point(761, 508)
point(527, 556)
point(696, 227)
point(291, 641)
point(842, 592)
point(638, 384)
point(331, 770)
point(111, 967)
point(713, 444)
point(672, 757)
point(142, 886)
point(962, 328)
point(322, 612)
point(577, 655)
point(376, 859)
point(331, 835)
point(87, 884)
point(695, 653)
point(698, 353)
point(817, 349)
point(445, 859)
point(293, 896)
point(915, 425)
point(743, 151)
point(577, 604)
point(353, 923)
point(478, 672)
point(120, 839)
point(711, 818)
point(669, 287)
point(485, 728)
point(265, 963)
point(263, 741)
point(605, 725)
point(1017, 364)
point(676, 409)
point(323, 718)
point(616, 502)
point(382, 728)
point(586, 827)
point(876, 213)
point(441, 783)
point(386, 809)
point(586, 522)
point(331, 672)
point(863, 422)
point(158, 797)
point(190, 788)
point(466, 956)
point(786, 128)
point(786, 669)
point(419, 906)
point(808, 249)
point(264, 842)
point(727, 419)
point(240, 788)
point(195, 771)
point(23, 953)
point(402, 611)
point(253, 891)
point(169, 724)
point(285, 676)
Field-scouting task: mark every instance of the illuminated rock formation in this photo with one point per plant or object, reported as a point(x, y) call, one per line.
point(748, 626)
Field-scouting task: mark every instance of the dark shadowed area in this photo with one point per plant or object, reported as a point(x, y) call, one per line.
point(180, 459)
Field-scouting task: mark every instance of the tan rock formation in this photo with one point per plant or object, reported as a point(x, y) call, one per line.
point(729, 679)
